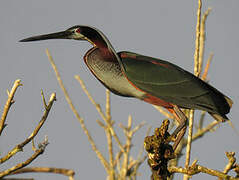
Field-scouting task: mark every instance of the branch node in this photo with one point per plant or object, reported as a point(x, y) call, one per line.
point(43, 144)
point(43, 99)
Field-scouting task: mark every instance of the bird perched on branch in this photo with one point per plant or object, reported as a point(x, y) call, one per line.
point(150, 79)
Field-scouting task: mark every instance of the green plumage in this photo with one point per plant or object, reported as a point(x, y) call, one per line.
point(152, 80)
point(172, 84)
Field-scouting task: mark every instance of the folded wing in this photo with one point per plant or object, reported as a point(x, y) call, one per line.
point(173, 84)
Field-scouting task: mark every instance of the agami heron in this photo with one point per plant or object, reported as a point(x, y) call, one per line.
point(152, 80)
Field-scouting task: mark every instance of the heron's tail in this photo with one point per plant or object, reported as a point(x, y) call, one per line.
point(222, 117)
point(218, 117)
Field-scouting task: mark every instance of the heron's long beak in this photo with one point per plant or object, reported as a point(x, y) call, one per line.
point(57, 35)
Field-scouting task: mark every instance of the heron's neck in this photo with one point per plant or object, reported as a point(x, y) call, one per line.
point(98, 39)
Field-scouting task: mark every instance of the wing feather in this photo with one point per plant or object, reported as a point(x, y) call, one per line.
point(171, 83)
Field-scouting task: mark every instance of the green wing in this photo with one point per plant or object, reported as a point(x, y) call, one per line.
point(171, 83)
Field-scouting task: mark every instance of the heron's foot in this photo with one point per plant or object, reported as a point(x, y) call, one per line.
point(179, 132)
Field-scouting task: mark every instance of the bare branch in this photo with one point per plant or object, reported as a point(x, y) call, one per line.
point(19, 147)
point(195, 169)
point(100, 111)
point(38, 152)
point(109, 135)
point(8, 104)
point(43, 99)
point(17, 179)
point(165, 113)
point(82, 123)
point(197, 65)
point(205, 73)
point(125, 164)
point(66, 172)
point(231, 162)
point(202, 131)
point(189, 140)
point(202, 41)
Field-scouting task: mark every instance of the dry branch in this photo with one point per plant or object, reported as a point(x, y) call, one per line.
point(20, 146)
point(195, 169)
point(66, 172)
point(82, 123)
point(8, 104)
point(38, 152)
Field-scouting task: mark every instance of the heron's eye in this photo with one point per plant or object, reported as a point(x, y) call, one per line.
point(78, 30)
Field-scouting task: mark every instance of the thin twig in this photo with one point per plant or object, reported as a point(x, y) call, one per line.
point(195, 169)
point(17, 179)
point(189, 140)
point(125, 164)
point(66, 172)
point(38, 152)
point(97, 106)
point(129, 132)
point(20, 146)
point(202, 40)
point(231, 162)
point(202, 131)
point(107, 105)
point(204, 78)
point(99, 110)
point(8, 104)
point(43, 99)
point(117, 161)
point(197, 70)
point(82, 123)
point(201, 121)
point(140, 158)
point(109, 135)
point(165, 113)
point(197, 41)
point(205, 73)
point(136, 167)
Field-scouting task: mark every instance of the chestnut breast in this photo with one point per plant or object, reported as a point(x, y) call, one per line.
point(109, 73)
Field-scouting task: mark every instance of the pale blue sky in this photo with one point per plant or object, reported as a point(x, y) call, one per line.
point(163, 29)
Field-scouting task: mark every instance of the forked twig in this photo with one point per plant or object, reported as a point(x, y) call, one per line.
point(100, 111)
point(19, 147)
point(38, 152)
point(129, 132)
point(195, 169)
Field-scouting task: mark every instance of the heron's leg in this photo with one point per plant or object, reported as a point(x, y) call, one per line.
point(181, 129)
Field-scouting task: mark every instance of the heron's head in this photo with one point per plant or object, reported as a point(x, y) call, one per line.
point(77, 32)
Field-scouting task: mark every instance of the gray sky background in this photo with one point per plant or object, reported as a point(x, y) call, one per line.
point(163, 29)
